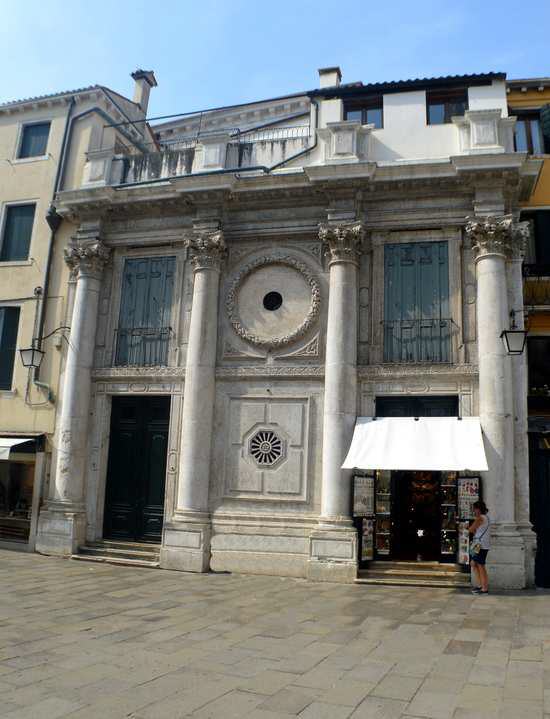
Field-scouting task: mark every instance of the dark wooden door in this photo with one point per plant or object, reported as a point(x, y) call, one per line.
point(134, 499)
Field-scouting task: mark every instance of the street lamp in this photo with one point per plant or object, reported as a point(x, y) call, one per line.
point(514, 338)
point(31, 356)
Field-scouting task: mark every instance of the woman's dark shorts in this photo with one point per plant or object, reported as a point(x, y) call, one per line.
point(481, 557)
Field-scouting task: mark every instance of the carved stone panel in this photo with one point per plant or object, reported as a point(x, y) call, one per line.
point(266, 448)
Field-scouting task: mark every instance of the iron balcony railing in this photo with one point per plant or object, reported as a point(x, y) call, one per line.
point(141, 347)
point(427, 340)
point(536, 287)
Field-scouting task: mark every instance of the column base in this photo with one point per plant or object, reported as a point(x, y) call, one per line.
point(332, 554)
point(510, 563)
point(186, 542)
point(61, 529)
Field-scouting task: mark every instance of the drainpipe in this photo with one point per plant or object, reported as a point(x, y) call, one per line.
point(307, 149)
point(54, 221)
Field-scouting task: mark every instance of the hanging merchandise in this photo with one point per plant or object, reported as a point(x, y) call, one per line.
point(468, 493)
point(363, 496)
point(367, 543)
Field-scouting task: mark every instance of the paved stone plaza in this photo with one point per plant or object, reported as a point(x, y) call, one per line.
point(90, 641)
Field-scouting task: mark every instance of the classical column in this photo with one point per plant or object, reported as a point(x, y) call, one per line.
point(520, 235)
point(492, 240)
point(62, 525)
point(190, 529)
point(336, 549)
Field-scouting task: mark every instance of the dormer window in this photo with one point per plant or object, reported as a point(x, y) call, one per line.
point(442, 105)
point(366, 110)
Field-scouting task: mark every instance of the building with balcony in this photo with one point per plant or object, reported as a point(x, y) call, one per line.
point(43, 141)
point(265, 283)
point(529, 102)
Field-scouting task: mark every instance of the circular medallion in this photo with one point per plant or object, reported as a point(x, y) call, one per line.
point(273, 301)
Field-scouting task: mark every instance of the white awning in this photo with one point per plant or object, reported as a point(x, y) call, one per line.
point(425, 443)
point(6, 443)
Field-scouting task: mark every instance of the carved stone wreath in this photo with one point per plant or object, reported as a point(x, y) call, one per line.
point(273, 342)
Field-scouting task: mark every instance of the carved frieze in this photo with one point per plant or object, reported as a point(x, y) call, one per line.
point(342, 242)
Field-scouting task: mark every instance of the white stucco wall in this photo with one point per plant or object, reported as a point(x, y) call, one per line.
point(406, 134)
point(489, 97)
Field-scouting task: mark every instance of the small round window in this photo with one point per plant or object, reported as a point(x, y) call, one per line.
point(272, 301)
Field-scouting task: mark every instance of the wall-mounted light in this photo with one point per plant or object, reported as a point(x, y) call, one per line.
point(514, 338)
point(31, 356)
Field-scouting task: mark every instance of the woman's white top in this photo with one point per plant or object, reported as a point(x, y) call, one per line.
point(483, 533)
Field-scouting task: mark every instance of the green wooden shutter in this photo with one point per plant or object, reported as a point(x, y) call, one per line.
point(416, 302)
point(17, 232)
point(9, 324)
point(145, 309)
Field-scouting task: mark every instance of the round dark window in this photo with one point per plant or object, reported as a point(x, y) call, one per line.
point(272, 301)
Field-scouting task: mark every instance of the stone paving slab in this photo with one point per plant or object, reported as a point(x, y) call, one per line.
point(84, 641)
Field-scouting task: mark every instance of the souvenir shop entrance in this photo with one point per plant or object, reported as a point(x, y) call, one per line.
point(407, 514)
point(414, 515)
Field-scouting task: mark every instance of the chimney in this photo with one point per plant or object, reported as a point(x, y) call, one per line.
point(330, 76)
point(145, 80)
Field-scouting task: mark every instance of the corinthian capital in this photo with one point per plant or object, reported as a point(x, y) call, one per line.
point(207, 249)
point(521, 231)
point(88, 257)
point(498, 235)
point(342, 242)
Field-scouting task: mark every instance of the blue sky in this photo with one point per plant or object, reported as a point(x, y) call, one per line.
point(207, 53)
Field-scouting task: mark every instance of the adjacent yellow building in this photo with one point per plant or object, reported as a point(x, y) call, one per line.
point(47, 144)
point(529, 101)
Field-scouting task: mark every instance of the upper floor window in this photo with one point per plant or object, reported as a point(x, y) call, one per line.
point(417, 326)
point(16, 235)
point(366, 110)
point(441, 105)
point(9, 323)
point(143, 333)
point(528, 135)
point(34, 140)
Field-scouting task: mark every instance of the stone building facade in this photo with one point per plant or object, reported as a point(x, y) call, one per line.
point(43, 146)
point(232, 319)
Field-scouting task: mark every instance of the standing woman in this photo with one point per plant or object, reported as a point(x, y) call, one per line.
point(479, 547)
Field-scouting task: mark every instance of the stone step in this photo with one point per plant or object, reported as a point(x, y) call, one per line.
point(121, 544)
point(415, 566)
point(402, 582)
point(126, 553)
point(412, 572)
point(115, 560)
